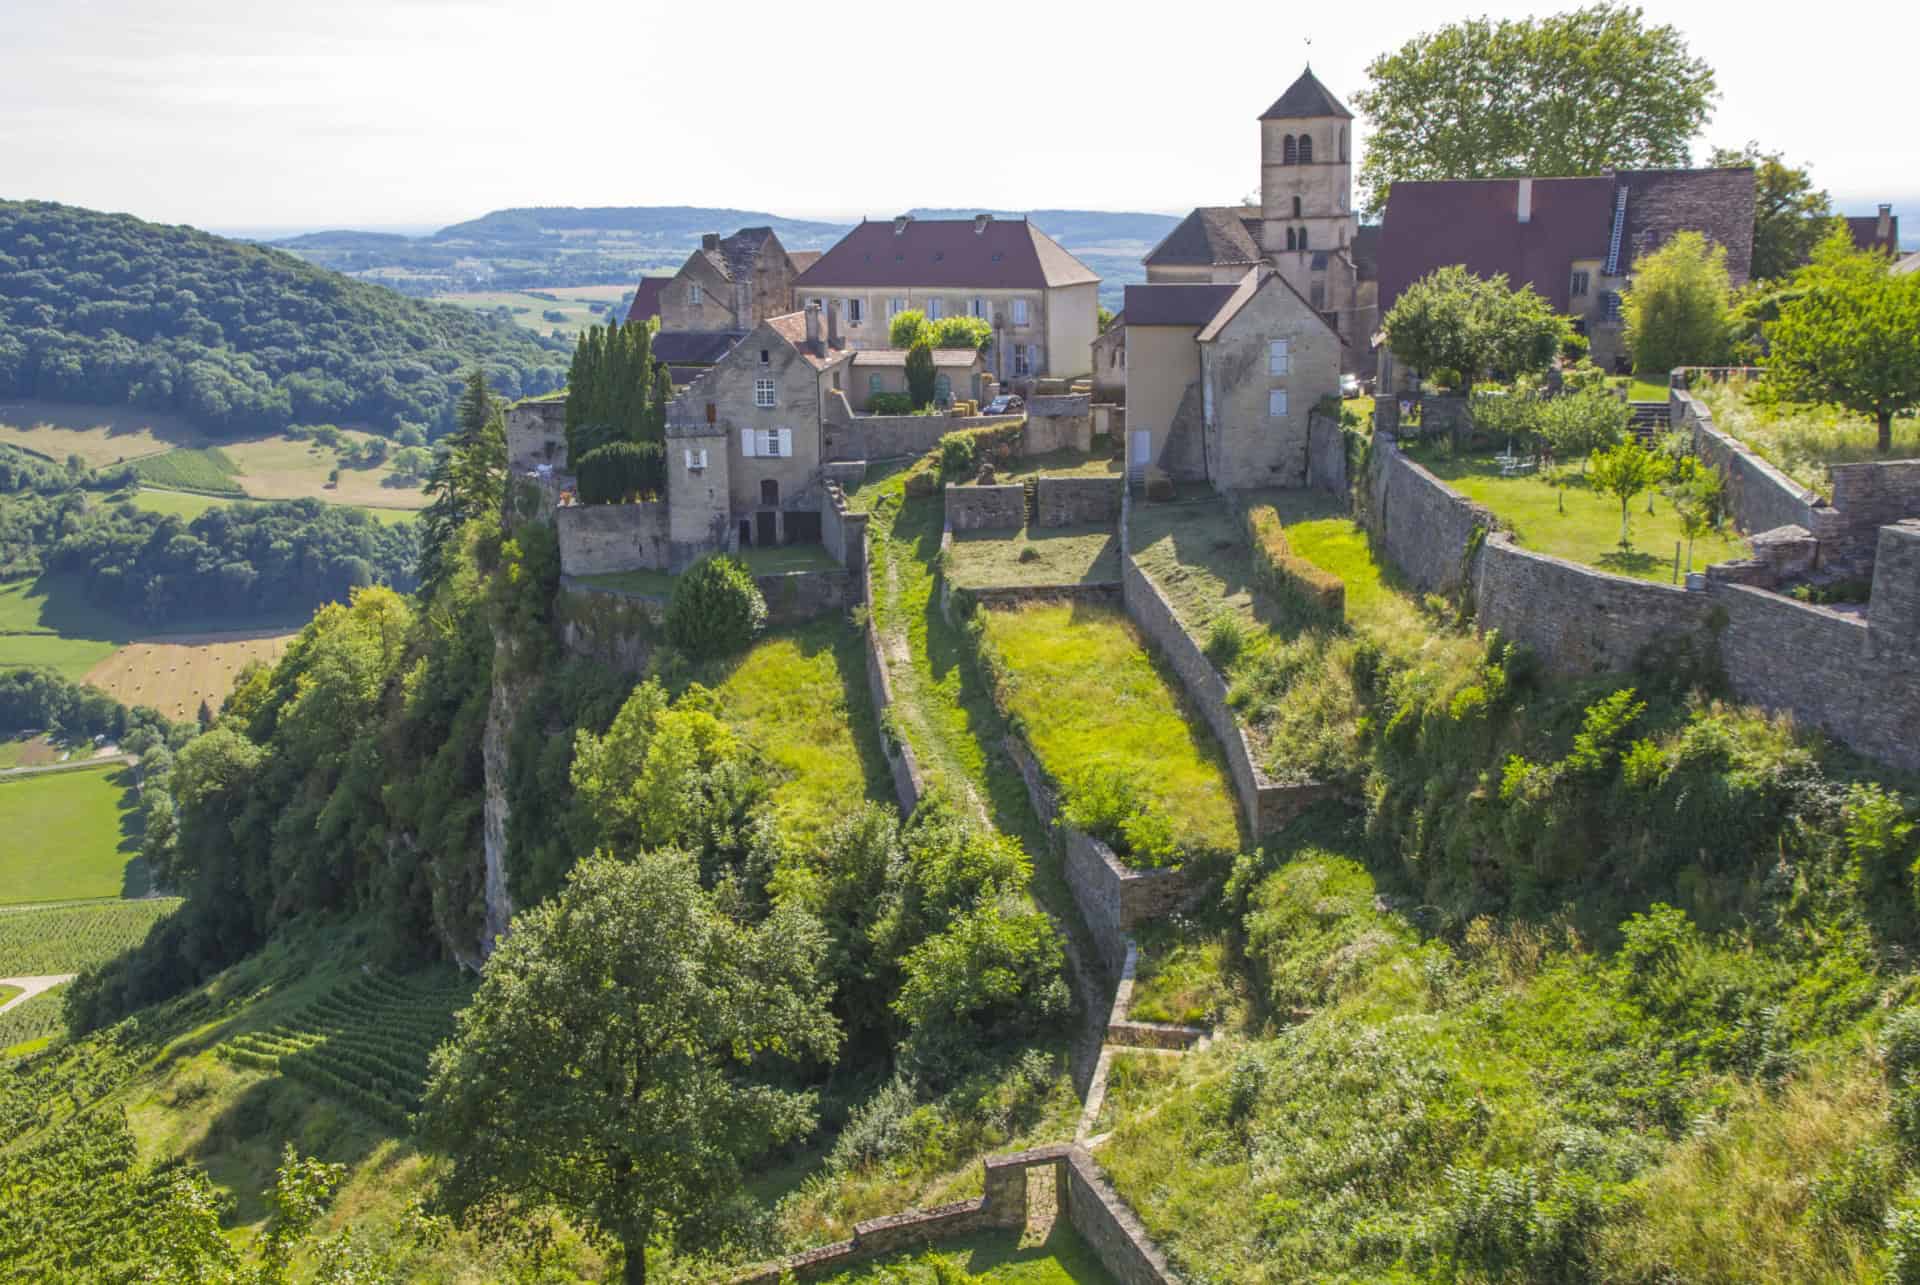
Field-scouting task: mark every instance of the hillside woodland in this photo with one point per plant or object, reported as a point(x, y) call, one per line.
point(238, 338)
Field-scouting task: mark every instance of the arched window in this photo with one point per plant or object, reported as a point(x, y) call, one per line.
point(1288, 152)
point(1290, 244)
point(1306, 149)
point(1303, 238)
point(1296, 207)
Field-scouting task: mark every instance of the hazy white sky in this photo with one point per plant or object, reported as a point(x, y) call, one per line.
point(250, 112)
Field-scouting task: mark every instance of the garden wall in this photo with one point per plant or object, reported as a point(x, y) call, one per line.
point(1867, 497)
point(1058, 424)
point(801, 595)
point(599, 538)
point(880, 437)
point(986, 508)
point(1421, 522)
point(1759, 495)
point(843, 531)
point(1078, 501)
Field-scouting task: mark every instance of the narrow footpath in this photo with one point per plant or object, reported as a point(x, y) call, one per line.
point(31, 986)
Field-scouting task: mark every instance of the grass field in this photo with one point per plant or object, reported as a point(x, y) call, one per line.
point(991, 1258)
point(530, 311)
point(7, 993)
point(48, 622)
point(778, 559)
point(206, 469)
point(70, 835)
point(174, 673)
point(1588, 531)
point(281, 468)
point(1035, 556)
point(97, 434)
point(1087, 693)
point(800, 698)
point(187, 506)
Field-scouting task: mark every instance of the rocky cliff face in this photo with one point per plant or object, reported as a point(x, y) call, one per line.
point(508, 696)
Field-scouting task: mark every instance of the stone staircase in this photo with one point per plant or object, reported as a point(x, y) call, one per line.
point(1031, 488)
point(1647, 420)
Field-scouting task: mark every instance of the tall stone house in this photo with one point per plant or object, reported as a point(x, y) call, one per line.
point(725, 288)
point(1221, 379)
point(1575, 240)
point(1304, 228)
point(1042, 303)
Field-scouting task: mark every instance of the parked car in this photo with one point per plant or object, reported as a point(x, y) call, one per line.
point(1005, 404)
point(1350, 386)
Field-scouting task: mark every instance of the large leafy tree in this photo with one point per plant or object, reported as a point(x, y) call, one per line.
point(1789, 212)
point(605, 1067)
point(1571, 93)
point(468, 479)
point(1451, 320)
point(1850, 336)
point(1678, 308)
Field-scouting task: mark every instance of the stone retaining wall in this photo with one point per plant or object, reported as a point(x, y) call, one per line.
point(1759, 496)
point(600, 538)
point(536, 435)
point(1058, 424)
point(1326, 454)
point(1078, 501)
point(617, 628)
point(909, 786)
point(843, 531)
point(1422, 523)
point(802, 595)
point(882, 437)
point(986, 508)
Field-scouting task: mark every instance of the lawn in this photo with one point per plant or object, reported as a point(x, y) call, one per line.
point(49, 622)
point(995, 1257)
point(1196, 552)
point(205, 469)
point(1088, 693)
point(1588, 532)
point(779, 559)
point(1803, 441)
point(1035, 556)
point(1180, 975)
point(70, 835)
point(1061, 464)
point(175, 673)
point(800, 698)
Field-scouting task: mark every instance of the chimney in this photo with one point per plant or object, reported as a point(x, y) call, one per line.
point(813, 327)
point(900, 222)
point(1523, 205)
point(1883, 230)
point(710, 241)
point(980, 222)
point(833, 323)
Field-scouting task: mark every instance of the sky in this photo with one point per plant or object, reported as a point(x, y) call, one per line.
point(245, 113)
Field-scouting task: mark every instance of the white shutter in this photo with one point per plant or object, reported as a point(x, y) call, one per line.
point(747, 444)
point(786, 443)
point(689, 455)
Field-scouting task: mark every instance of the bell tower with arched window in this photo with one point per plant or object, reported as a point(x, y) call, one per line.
point(1306, 178)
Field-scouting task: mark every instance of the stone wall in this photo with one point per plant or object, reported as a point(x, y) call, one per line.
point(536, 435)
point(802, 595)
point(1078, 501)
point(1110, 1228)
point(909, 786)
point(1326, 455)
point(599, 538)
point(1759, 495)
point(616, 628)
point(843, 531)
point(1421, 522)
point(1058, 424)
point(1867, 497)
point(881, 437)
point(986, 508)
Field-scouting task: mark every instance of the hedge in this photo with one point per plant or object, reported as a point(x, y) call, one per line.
point(1287, 576)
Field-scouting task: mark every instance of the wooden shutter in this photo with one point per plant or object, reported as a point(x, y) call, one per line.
point(786, 442)
point(748, 447)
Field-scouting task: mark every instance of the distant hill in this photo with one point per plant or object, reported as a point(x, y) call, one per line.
point(545, 246)
point(112, 310)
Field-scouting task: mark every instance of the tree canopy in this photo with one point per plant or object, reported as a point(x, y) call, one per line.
point(1678, 308)
point(1789, 213)
point(1849, 337)
point(1452, 321)
point(1566, 94)
point(109, 309)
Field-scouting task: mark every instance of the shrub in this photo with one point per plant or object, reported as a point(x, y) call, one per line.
point(889, 404)
point(622, 471)
point(1104, 802)
point(1286, 576)
point(956, 454)
point(1226, 639)
point(716, 608)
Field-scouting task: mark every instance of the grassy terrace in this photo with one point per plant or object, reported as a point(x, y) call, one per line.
point(1588, 532)
point(1035, 556)
point(1804, 441)
point(992, 1258)
point(1060, 464)
point(1088, 693)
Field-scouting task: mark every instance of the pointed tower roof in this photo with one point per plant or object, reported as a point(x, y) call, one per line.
point(1306, 97)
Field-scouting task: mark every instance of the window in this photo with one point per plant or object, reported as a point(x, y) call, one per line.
point(1019, 312)
point(855, 307)
point(943, 388)
point(1318, 295)
point(769, 493)
point(936, 309)
point(763, 392)
point(978, 308)
point(1022, 359)
point(1277, 403)
point(1303, 238)
point(696, 460)
point(1306, 149)
point(775, 443)
point(693, 294)
point(895, 307)
point(1289, 151)
point(875, 385)
point(1580, 282)
point(1279, 356)
point(766, 358)
point(821, 304)
point(1292, 240)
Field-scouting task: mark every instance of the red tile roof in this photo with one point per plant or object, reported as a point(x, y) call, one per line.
point(646, 298)
point(1003, 254)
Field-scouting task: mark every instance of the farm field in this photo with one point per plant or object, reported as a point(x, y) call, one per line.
point(205, 469)
point(1588, 531)
point(1088, 694)
point(100, 435)
point(70, 835)
point(40, 939)
point(187, 505)
point(528, 310)
point(1035, 556)
point(283, 468)
point(175, 672)
point(800, 698)
point(49, 622)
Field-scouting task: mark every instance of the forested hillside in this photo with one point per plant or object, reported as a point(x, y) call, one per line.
point(110, 309)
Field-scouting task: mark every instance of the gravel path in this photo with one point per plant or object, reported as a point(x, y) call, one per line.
point(31, 986)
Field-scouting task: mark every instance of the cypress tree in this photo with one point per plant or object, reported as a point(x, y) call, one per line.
point(657, 407)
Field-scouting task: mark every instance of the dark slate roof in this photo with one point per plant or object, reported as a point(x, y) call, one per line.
point(1211, 234)
point(802, 259)
point(1305, 97)
point(1005, 254)
point(1251, 285)
point(1474, 222)
point(1660, 203)
point(1365, 251)
point(1866, 233)
point(646, 298)
point(1175, 304)
point(741, 249)
point(694, 347)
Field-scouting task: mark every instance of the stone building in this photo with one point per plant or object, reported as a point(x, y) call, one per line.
point(1879, 231)
point(744, 439)
point(1042, 302)
point(1575, 240)
point(1110, 361)
point(1220, 379)
point(729, 284)
point(1305, 227)
point(959, 374)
